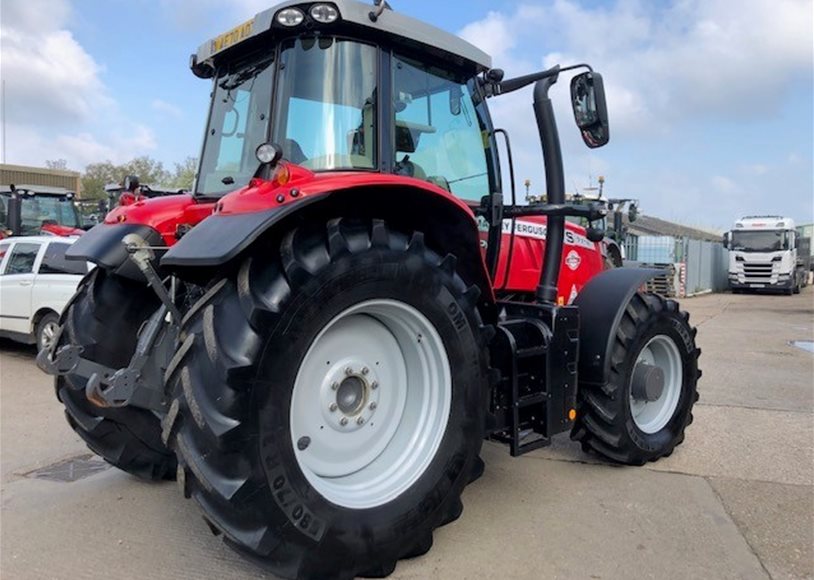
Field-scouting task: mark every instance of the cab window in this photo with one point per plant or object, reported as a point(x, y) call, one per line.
point(3, 251)
point(438, 132)
point(54, 262)
point(22, 258)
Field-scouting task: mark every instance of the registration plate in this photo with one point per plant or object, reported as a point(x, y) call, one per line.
point(758, 285)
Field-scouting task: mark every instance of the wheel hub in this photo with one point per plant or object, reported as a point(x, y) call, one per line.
point(656, 383)
point(648, 382)
point(351, 395)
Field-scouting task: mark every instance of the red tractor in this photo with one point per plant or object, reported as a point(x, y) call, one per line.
point(346, 307)
point(30, 210)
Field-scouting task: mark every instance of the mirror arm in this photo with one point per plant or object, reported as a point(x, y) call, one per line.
point(591, 212)
point(517, 83)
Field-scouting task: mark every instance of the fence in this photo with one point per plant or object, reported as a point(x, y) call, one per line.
point(691, 266)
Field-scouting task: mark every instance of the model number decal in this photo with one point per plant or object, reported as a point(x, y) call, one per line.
point(234, 36)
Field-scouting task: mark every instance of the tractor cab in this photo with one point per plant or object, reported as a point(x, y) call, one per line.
point(339, 92)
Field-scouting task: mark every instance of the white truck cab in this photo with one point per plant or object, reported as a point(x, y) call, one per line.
point(763, 254)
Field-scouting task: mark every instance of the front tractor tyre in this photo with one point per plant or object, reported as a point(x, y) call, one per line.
point(641, 413)
point(330, 400)
point(104, 318)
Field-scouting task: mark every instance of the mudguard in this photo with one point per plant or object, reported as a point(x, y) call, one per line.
point(221, 237)
point(602, 302)
point(103, 246)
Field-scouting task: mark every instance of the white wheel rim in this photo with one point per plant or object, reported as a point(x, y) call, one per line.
point(49, 332)
point(382, 367)
point(653, 416)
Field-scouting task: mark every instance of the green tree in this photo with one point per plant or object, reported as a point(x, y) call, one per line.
point(148, 170)
point(184, 175)
point(96, 176)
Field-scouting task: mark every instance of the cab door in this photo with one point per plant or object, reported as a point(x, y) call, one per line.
point(16, 284)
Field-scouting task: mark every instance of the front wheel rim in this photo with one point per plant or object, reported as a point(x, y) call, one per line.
point(371, 403)
point(652, 416)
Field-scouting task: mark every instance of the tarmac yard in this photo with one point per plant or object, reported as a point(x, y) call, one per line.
point(736, 500)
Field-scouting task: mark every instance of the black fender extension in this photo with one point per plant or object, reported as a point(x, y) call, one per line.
point(102, 245)
point(602, 302)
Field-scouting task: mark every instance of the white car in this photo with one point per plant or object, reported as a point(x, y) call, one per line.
point(36, 282)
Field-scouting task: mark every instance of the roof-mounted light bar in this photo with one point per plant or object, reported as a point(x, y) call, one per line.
point(324, 13)
point(290, 17)
point(293, 16)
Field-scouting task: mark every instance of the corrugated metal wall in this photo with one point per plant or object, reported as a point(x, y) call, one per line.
point(23, 175)
point(693, 266)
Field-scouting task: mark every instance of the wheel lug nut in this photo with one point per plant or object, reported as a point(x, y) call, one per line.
point(343, 421)
point(348, 371)
point(373, 405)
point(360, 421)
point(332, 407)
point(365, 370)
point(374, 385)
point(334, 386)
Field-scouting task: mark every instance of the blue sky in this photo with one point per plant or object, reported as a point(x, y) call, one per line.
point(711, 101)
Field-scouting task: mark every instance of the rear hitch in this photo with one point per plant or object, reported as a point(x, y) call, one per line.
point(141, 253)
point(140, 383)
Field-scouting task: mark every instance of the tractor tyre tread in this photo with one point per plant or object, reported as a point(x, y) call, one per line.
point(604, 424)
point(127, 438)
point(215, 385)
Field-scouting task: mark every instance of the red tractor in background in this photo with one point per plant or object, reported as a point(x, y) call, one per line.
point(32, 210)
point(345, 307)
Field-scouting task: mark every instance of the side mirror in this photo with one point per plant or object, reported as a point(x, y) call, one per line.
point(131, 183)
point(590, 108)
point(725, 240)
point(594, 234)
point(633, 213)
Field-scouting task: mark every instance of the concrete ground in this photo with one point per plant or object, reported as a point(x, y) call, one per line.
point(736, 500)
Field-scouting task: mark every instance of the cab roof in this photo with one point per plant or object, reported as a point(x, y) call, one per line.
point(764, 222)
point(39, 190)
point(398, 26)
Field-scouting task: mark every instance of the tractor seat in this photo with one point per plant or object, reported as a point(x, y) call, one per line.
point(409, 169)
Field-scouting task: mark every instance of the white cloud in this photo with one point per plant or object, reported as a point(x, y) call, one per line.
point(697, 57)
point(50, 78)
point(724, 184)
point(493, 35)
point(125, 141)
point(57, 106)
point(167, 108)
point(666, 66)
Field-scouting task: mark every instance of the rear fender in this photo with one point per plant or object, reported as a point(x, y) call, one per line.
point(602, 303)
point(102, 245)
point(449, 227)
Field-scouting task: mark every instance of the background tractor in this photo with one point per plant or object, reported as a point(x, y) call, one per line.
point(32, 210)
point(345, 307)
point(614, 233)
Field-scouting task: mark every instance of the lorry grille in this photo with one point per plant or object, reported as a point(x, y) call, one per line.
point(758, 270)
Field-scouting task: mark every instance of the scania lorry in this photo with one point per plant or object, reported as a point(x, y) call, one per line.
point(763, 255)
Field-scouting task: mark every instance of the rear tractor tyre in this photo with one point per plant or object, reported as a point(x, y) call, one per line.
point(641, 413)
point(104, 318)
point(331, 399)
